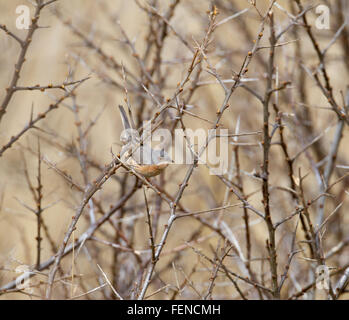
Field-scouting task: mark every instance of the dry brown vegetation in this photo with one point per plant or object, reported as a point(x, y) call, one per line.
point(77, 223)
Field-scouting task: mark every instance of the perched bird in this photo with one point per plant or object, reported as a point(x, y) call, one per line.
point(143, 159)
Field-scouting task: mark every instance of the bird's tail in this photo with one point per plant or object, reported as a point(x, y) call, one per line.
point(124, 118)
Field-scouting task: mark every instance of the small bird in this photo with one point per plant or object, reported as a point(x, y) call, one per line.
point(143, 159)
